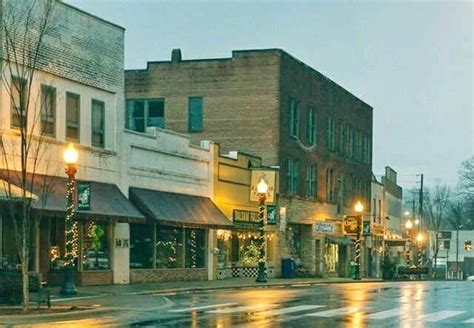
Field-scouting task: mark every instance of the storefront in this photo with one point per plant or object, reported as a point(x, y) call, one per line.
point(178, 240)
point(239, 248)
point(97, 245)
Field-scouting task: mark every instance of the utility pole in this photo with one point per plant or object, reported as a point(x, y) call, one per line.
point(421, 199)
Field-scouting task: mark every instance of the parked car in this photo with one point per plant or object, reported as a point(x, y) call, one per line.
point(470, 278)
point(95, 260)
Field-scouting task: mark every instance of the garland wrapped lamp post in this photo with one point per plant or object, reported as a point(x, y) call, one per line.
point(409, 226)
point(419, 239)
point(359, 208)
point(70, 158)
point(262, 189)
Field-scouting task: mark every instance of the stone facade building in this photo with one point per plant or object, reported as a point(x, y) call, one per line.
point(268, 103)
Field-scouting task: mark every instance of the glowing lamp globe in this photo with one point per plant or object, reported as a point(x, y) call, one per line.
point(408, 224)
point(419, 237)
point(71, 155)
point(262, 186)
point(359, 208)
point(417, 222)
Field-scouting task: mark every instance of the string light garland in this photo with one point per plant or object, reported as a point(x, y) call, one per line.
point(72, 229)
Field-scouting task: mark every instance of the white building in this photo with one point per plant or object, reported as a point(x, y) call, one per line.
point(80, 82)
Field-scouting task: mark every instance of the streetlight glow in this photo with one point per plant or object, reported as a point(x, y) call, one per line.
point(407, 213)
point(71, 155)
point(419, 237)
point(408, 224)
point(359, 208)
point(417, 221)
point(262, 186)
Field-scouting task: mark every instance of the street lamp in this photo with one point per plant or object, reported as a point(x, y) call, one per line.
point(408, 225)
point(359, 208)
point(419, 241)
point(262, 189)
point(70, 158)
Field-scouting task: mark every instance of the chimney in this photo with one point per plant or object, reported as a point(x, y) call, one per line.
point(176, 55)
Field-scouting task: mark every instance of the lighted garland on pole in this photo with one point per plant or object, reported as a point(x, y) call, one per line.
point(261, 261)
point(193, 249)
point(72, 231)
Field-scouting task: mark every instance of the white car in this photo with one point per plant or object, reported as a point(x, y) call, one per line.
point(470, 278)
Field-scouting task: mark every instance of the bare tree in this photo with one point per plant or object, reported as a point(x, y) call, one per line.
point(25, 23)
point(466, 190)
point(435, 211)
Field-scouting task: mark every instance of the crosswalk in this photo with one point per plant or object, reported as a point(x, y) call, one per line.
point(321, 311)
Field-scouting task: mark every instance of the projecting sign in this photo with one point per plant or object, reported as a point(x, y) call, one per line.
point(324, 227)
point(350, 224)
point(271, 215)
point(246, 220)
point(366, 228)
point(270, 178)
point(83, 196)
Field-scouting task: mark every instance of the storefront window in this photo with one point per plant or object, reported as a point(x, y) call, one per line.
point(169, 247)
point(224, 244)
point(96, 250)
point(195, 248)
point(331, 257)
point(248, 246)
point(141, 246)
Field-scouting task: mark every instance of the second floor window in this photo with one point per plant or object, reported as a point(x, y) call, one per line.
point(195, 114)
point(144, 113)
point(330, 136)
point(293, 119)
point(19, 98)
point(311, 126)
point(72, 116)
point(311, 180)
point(292, 177)
point(98, 130)
point(48, 110)
point(357, 145)
point(330, 185)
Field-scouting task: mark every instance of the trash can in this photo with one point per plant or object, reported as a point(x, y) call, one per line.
point(352, 270)
point(287, 268)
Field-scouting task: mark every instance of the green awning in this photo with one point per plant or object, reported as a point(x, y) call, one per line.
point(346, 241)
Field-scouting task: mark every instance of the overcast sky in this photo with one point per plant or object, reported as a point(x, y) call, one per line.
point(411, 61)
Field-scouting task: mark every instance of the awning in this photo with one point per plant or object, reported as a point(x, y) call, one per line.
point(346, 241)
point(107, 201)
point(11, 192)
point(178, 209)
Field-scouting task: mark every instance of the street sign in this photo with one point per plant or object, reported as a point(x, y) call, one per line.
point(83, 196)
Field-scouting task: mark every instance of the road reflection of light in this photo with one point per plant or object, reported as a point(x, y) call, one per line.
point(194, 319)
point(223, 322)
point(357, 298)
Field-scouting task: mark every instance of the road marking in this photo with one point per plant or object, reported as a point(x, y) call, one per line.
point(384, 314)
point(301, 285)
point(469, 321)
point(336, 312)
point(199, 308)
point(440, 315)
point(291, 309)
point(248, 308)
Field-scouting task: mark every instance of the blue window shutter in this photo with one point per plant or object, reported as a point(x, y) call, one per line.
point(195, 114)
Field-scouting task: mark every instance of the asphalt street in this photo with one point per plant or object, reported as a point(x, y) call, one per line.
point(398, 304)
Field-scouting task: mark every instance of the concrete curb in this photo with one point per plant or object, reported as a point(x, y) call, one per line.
point(18, 318)
point(240, 286)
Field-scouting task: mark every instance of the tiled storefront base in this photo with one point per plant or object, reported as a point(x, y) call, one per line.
point(88, 278)
point(242, 272)
point(140, 276)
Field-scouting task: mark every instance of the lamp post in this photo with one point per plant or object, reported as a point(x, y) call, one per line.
point(419, 241)
point(408, 226)
point(70, 158)
point(359, 208)
point(262, 188)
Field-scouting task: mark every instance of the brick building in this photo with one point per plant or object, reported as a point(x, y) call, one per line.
point(268, 103)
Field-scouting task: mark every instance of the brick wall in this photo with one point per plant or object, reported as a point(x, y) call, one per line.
point(140, 276)
point(90, 278)
point(240, 98)
point(311, 89)
point(77, 46)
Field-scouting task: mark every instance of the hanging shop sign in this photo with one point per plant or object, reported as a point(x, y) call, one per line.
point(271, 215)
point(270, 179)
point(245, 220)
point(350, 224)
point(324, 227)
point(83, 196)
point(366, 228)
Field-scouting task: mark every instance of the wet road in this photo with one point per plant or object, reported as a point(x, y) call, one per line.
point(400, 304)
